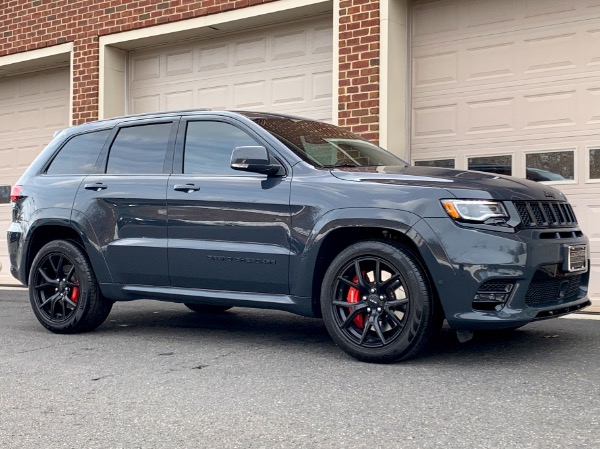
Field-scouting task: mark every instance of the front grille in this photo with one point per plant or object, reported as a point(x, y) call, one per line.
point(545, 214)
point(554, 291)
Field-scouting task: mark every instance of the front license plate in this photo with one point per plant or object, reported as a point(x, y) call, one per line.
point(576, 258)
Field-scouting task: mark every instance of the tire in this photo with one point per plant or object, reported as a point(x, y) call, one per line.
point(63, 290)
point(377, 302)
point(205, 308)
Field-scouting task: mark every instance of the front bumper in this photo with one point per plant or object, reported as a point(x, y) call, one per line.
point(531, 263)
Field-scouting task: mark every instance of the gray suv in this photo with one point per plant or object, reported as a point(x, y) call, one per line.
point(242, 209)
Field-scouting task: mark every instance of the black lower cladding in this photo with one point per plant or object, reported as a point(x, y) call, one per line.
point(550, 287)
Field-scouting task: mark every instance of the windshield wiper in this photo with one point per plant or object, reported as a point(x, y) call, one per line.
point(342, 164)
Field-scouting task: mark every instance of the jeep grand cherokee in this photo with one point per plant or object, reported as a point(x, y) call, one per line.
point(223, 209)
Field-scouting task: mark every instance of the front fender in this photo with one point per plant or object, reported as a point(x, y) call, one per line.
point(304, 258)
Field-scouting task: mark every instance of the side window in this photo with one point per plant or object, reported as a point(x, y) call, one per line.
point(208, 147)
point(139, 149)
point(78, 156)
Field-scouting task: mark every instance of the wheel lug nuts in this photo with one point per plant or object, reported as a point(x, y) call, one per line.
point(368, 310)
point(379, 309)
point(381, 297)
point(364, 298)
point(372, 290)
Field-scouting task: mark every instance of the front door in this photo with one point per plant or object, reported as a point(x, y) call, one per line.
point(228, 230)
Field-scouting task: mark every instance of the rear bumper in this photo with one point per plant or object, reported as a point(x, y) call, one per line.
point(15, 241)
point(534, 267)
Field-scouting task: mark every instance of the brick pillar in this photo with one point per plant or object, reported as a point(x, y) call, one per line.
point(85, 80)
point(358, 88)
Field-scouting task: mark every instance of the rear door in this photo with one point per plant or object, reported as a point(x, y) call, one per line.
point(228, 230)
point(124, 206)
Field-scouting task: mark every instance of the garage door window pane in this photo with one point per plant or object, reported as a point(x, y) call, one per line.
point(595, 163)
point(208, 147)
point(500, 165)
point(139, 150)
point(441, 163)
point(550, 166)
point(78, 156)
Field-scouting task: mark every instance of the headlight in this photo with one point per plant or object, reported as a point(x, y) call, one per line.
point(474, 210)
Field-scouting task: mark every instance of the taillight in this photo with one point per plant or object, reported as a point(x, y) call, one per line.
point(16, 193)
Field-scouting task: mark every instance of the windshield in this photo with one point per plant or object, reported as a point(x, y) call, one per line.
point(324, 145)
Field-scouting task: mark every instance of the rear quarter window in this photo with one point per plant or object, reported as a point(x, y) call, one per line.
point(78, 156)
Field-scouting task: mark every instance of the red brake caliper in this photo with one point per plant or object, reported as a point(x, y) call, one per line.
point(353, 296)
point(75, 292)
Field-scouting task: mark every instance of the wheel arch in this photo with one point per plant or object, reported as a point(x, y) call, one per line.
point(348, 226)
point(42, 234)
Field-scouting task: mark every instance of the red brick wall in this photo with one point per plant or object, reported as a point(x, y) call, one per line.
point(358, 90)
point(29, 25)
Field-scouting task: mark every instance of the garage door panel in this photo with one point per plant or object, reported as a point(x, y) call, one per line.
point(7, 89)
point(289, 45)
point(283, 68)
point(145, 68)
point(250, 95)
point(179, 63)
point(145, 103)
point(252, 51)
point(561, 53)
point(179, 100)
point(7, 123)
point(218, 96)
point(441, 21)
point(508, 114)
point(54, 117)
point(213, 58)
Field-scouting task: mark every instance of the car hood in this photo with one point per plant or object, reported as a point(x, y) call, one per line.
point(462, 184)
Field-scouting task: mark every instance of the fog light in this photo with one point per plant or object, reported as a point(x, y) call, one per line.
point(492, 295)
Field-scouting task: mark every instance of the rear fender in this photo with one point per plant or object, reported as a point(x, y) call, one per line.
point(93, 246)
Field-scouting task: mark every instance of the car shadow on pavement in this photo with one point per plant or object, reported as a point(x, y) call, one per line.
point(252, 328)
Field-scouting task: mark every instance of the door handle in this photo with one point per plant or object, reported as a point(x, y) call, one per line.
point(97, 186)
point(187, 188)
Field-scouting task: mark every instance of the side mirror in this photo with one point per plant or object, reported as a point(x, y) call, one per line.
point(254, 159)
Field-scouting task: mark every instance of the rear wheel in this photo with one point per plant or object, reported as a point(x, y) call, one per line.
point(205, 308)
point(63, 290)
point(377, 303)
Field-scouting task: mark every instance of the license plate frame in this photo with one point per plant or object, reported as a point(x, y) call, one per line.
point(576, 258)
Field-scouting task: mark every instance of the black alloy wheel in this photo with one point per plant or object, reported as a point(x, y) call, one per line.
point(377, 303)
point(57, 287)
point(63, 290)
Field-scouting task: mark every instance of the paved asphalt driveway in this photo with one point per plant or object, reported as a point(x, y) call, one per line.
point(156, 375)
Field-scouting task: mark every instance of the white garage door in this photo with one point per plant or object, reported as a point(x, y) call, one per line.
point(287, 68)
point(32, 107)
point(516, 84)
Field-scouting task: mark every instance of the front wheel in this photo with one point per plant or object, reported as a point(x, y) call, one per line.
point(377, 302)
point(63, 290)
